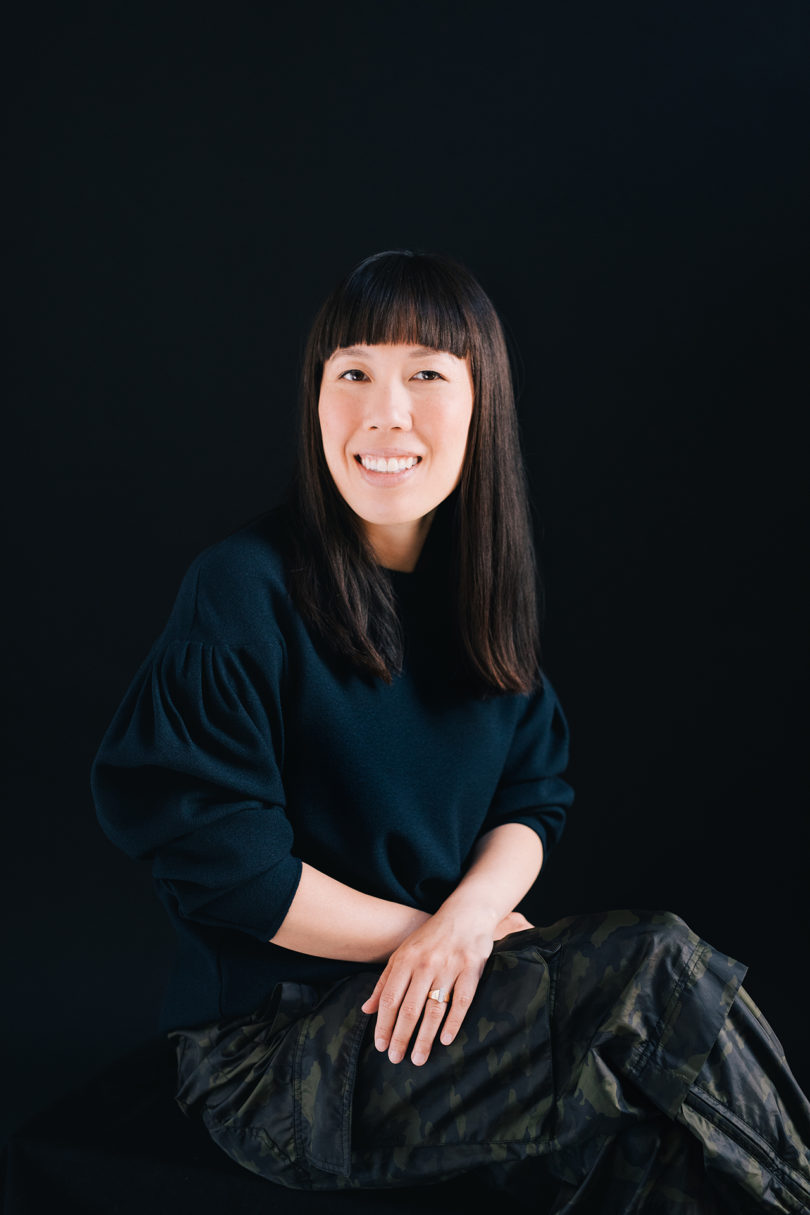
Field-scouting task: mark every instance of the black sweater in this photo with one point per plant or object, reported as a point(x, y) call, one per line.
point(243, 747)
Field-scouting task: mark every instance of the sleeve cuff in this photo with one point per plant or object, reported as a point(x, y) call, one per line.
point(257, 906)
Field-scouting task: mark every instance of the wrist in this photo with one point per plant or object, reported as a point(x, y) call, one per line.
point(476, 900)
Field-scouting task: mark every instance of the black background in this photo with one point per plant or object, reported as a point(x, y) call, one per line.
point(630, 183)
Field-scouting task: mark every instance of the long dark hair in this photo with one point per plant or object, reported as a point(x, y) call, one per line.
point(421, 299)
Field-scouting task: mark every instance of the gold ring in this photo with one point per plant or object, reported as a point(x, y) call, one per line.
point(439, 995)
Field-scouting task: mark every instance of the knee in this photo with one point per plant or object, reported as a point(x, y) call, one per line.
point(669, 922)
point(664, 927)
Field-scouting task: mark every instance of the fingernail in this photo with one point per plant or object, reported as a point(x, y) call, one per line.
point(380, 1043)
point(445, 1039)
point(418, 1057)
point(395, 1056)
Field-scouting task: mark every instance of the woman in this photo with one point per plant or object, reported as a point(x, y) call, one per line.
point(346, 765)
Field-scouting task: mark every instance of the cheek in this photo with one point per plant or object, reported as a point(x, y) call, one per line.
point(329, 430)
point(461, 435)
point(336, 423)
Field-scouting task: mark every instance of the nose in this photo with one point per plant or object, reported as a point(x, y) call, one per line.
point(388, 406)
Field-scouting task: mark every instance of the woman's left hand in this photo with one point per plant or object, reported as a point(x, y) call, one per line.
point(447, 952)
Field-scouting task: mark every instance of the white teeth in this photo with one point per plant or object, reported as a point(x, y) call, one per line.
point(375, 464)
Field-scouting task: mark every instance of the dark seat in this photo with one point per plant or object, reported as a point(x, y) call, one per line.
point(120, 1146)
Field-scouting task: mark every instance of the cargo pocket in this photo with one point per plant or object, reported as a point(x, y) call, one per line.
point(328, 1046)
point(237, 1076)
point(513, 1024)
point(487, 1096)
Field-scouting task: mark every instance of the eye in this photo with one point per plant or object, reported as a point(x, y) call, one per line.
point(352, 375)
point(429, 375)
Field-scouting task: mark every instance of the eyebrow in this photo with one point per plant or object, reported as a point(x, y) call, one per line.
point(362, 351)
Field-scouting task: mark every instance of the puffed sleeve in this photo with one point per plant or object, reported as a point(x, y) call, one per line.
point(189, 776)
point(531, 789)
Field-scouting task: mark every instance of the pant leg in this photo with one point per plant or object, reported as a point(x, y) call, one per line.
point(673, 1093)
point(750, 1117)
point(739, 1145)
point(582, 1064)
point(649, 1167)
point(639, 1002)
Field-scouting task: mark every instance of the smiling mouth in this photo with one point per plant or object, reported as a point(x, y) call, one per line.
point(391, 465)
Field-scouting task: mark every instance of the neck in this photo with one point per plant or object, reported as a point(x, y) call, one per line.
point(397, 546)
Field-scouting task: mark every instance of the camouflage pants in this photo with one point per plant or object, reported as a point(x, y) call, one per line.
point(609, 1063)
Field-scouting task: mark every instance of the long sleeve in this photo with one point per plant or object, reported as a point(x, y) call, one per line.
point(188, 775)
point(245, 747)
point(531, 789)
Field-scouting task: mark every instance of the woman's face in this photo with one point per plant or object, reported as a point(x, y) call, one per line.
point(394, 421)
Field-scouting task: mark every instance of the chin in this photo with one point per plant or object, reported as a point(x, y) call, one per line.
point(377, 519)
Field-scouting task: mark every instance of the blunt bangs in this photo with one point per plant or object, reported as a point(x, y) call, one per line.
point(399, 297)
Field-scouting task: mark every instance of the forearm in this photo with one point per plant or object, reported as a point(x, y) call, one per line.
point(504, 866)
point(328, 919)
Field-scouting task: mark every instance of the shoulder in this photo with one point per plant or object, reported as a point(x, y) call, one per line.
point(545, 701)
point(254, 553)
point(235, 590)
point(539, 717)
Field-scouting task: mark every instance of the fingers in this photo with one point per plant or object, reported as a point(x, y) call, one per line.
point(402, 1006)
point(373, 1002)
point(431, 1020)
point(463, 993)
point(449, 956)
point(514, 922)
